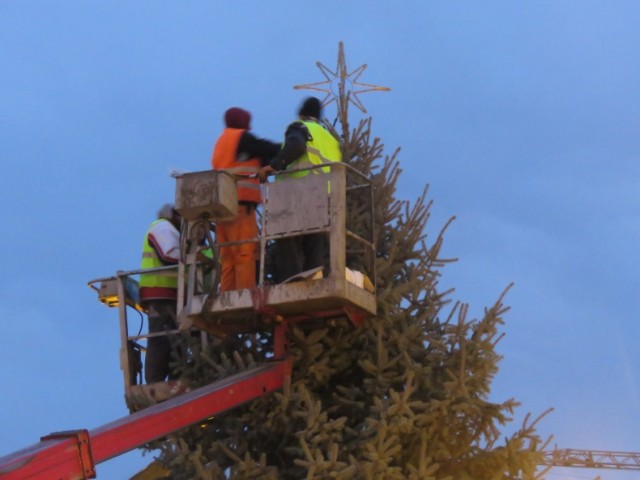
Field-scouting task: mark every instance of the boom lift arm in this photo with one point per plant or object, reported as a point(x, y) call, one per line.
point(73, 455)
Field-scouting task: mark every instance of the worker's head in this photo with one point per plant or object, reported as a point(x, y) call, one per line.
point(237, 118)
point(311, 107)
point(168, 212)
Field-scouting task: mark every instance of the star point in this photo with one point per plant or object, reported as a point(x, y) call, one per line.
point(340, 85)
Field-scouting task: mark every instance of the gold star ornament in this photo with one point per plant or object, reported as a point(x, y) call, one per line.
point(340, 85)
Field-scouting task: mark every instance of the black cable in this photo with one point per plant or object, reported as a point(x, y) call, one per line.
point(141, 322)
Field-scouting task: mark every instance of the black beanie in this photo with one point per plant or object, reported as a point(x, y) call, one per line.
point(311, 108)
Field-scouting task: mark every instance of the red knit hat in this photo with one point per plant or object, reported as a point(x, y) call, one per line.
point(237, 118)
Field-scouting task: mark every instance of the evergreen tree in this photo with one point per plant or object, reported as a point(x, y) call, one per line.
point(405, 396)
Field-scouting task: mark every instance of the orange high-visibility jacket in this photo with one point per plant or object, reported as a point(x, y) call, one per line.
point(225, 158)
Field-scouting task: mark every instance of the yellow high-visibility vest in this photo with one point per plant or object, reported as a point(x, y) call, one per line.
point(321, 149)
point(150, 259)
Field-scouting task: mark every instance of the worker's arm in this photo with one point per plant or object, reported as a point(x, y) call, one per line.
point(295, 145)
point(251, 146)
point(164, 238)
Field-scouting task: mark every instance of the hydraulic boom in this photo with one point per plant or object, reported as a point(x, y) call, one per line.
point(73, 455)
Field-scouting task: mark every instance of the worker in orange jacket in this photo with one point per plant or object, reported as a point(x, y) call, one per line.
point(241, 153)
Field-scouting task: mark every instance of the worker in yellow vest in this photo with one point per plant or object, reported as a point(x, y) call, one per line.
point(241, 153)
point(307, 143)
point(158, 290)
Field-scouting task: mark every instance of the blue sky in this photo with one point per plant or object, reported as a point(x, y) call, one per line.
point(522, 117)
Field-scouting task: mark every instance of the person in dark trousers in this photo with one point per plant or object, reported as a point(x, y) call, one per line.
point(158, 290)
point(307, 143)
point(241, 153)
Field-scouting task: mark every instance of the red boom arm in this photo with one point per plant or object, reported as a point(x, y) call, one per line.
point(73, 455)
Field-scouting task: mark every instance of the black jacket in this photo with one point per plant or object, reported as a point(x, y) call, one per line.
point(251, 146)
point(295, 145)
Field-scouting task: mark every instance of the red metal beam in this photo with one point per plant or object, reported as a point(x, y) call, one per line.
point(154, 422)
point(71, 455)
point(62, 455)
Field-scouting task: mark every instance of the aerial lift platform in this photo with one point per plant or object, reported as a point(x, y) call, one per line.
point(316, 203)
point(293, 206)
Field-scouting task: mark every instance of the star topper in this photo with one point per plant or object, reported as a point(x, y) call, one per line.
point(342, 85)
